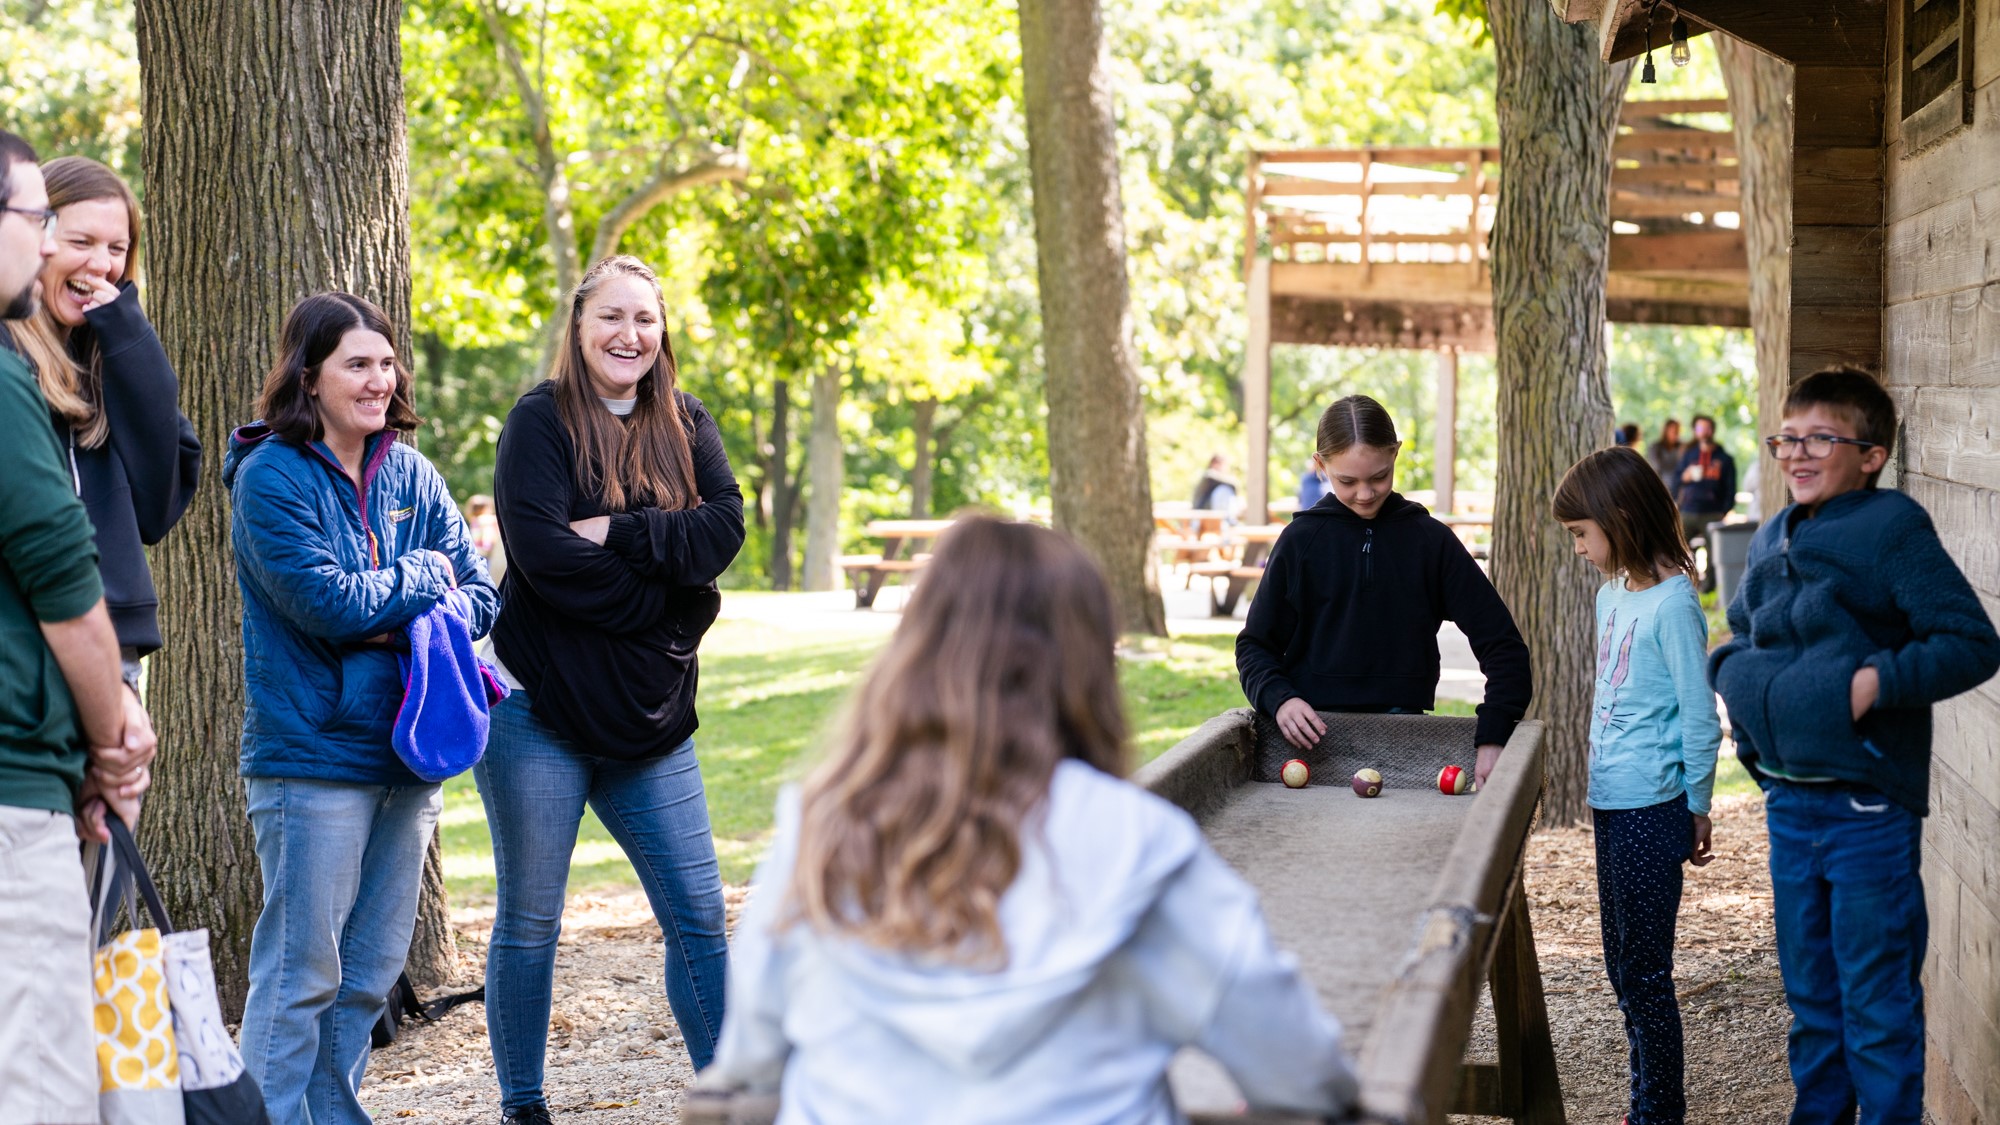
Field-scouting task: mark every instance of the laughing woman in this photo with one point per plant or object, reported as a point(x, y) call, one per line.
point(112, 395)
point(619, 511)
point(343, 536)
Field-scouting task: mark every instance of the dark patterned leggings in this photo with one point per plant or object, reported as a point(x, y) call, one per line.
point(1639, 857)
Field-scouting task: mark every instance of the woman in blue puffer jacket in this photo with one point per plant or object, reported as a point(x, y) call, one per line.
point(343, 535)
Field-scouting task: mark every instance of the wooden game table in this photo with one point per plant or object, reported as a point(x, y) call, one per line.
point(1400, 909)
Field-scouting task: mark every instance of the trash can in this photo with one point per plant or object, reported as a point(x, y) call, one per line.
point(1728, 552)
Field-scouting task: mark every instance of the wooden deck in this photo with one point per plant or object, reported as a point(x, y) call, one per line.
point(1387, 246)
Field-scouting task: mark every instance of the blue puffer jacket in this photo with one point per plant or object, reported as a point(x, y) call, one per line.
point(324, 565)
point(1863, 582)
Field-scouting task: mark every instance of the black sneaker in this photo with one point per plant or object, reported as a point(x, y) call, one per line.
point(537, 1114)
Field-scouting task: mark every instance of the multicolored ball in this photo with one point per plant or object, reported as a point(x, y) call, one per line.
point(1453, 781)
point(1295, 774)
point(1367, 783)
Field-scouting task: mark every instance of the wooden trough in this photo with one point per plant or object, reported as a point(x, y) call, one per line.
point(1342, 879)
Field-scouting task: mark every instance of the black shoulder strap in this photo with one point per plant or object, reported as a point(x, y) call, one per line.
point(128, 855)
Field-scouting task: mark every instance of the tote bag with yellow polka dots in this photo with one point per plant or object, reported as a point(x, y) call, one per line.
point(163, 1054)
point(138, 1068)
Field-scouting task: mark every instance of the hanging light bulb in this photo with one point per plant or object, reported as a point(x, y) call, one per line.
point(1647, 75)
point(1678, 34)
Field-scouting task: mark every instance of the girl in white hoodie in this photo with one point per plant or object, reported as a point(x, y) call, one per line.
point(968, 918)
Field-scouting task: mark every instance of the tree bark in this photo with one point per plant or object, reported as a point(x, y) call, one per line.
point(778, 472)
point(825, 473)
point(1097, 423)
point(923, 465)
point(275, 167)
point(1558, 108)
point(1760, 104)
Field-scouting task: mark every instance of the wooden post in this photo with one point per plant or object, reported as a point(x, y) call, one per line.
point(1444, 469)
point(1257, 394)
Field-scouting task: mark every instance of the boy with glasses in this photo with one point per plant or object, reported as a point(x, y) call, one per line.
point(1851, 622)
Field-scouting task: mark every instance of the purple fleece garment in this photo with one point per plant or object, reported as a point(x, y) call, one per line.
point(441, 727)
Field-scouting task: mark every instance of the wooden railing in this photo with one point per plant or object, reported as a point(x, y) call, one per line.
point(1435, 204)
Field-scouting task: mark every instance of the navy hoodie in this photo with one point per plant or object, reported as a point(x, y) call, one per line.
point(1865, 581)
point(1347, 616)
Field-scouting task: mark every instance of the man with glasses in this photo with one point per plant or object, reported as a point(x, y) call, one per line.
point(1852, 622)
point(64, 754)
point(1704, 490)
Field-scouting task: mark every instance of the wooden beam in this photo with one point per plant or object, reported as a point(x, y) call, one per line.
point(1837, 185)
point(1257, 393)
point(1827, 32)
point(1845, 107)
point(1444, 464)
point(1706, 250)
point(1663, 107)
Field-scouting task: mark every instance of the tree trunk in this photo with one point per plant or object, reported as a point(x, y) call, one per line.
point(1558, 108)
point(1097, 422)
point(778, 471)
point(824, 480)
point(275, 167)
point(924, 463)
point(1760, 104)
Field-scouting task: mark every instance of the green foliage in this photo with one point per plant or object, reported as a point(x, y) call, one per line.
point(69, 80)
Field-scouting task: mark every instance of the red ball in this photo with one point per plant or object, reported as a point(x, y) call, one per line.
point(1453, 781)
point(1295, 774)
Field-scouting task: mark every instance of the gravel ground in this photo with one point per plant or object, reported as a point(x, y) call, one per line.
point(616, 1057)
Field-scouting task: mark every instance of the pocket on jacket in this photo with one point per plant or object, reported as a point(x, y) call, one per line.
point(1813, 710)
point(371, 690)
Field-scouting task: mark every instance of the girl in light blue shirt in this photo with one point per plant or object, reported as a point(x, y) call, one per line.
point(1653, 740)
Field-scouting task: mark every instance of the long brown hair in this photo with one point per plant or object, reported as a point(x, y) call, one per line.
point(648, 459)
point(1001, 668)
point(76, 390)
point(1622, 492)
point(312, 332)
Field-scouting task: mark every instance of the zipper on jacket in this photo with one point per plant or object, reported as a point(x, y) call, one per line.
point(1368, 555)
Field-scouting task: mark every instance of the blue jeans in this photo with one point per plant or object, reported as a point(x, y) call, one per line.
point(1845, 866)
point(342, 868)
point(535, 785)
point(1639, 857)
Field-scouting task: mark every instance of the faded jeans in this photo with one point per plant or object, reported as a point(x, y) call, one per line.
point(535, 785)
point(343, 864)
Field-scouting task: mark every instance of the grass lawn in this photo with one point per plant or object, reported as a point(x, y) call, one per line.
point(767, 694)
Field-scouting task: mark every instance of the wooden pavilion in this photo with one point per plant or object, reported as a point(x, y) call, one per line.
point(1387, 247)
point(1896, 265)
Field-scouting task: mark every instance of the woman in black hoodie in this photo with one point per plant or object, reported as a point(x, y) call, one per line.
point(1347, 615)
point(619, 511)
point(112, 395)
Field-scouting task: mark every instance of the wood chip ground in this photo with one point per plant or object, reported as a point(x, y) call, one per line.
point(616, 1056)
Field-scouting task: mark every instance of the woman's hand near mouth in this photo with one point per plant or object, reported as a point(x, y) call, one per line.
point(102, 292)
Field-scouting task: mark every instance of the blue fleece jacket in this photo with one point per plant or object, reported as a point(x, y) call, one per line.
point(1864, 581)
point(326, 564)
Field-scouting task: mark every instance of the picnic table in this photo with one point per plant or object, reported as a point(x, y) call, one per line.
point(1186, 534)
point(869, 572)
point(1246, 548)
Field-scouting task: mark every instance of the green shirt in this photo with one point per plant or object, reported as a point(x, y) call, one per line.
point(48, 572)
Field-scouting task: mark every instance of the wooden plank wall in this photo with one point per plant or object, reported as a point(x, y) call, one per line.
point(1941, 337)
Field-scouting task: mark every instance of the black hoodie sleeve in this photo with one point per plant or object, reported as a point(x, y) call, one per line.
point(1268, 627)
point(691, 546)
point(532, 482)
point(162, 461)
point(1474, 605)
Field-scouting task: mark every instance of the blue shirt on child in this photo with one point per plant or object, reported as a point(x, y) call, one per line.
point(1653, 727)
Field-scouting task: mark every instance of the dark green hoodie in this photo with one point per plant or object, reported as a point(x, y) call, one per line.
point(48, 572)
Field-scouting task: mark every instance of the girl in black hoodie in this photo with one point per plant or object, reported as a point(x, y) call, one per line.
point(1347, 615)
